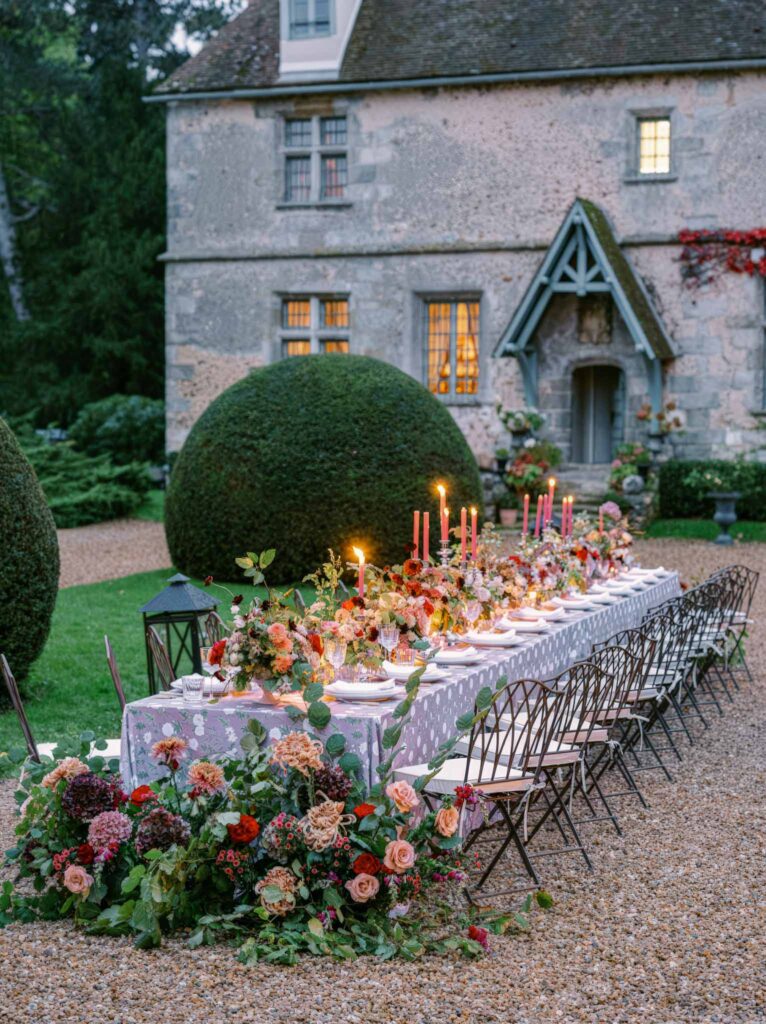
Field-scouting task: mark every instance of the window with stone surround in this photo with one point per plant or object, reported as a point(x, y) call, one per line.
point(310, 18)
point(315, 160)
point(451, 342)
point(650, 150)
point(315, 323)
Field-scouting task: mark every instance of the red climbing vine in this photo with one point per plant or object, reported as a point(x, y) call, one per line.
point(707, 254)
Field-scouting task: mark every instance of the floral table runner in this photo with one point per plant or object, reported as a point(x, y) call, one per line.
point(215, 729)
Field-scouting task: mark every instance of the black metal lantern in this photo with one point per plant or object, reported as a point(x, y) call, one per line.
point(177, 611)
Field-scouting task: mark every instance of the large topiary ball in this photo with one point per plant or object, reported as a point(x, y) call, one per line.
point(311, 453)
point(29, 567)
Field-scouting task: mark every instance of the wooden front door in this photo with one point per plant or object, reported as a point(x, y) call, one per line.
point(598, 413)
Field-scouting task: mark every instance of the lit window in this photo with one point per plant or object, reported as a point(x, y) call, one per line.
point(452, 347)
point(653, 145)
point(316, 164)
point(312, 324)
point(310, 18)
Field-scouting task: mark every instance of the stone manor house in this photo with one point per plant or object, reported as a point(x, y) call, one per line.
point(486, 193)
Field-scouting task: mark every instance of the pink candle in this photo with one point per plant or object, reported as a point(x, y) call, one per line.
point(551, 493)
point(525, 523)
point(442, 500)
point(426, 521)
point(474, 536)
point(538, 517)
point(564, 517)
point(571, 514)
point(445, 525)
point(360, 559)
point(415, 534)
point(463, 535)
point(600, 521)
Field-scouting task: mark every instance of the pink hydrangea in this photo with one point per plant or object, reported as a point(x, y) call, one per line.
point(109, 827)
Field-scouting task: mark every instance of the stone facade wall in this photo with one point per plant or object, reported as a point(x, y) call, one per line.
point(461, 191)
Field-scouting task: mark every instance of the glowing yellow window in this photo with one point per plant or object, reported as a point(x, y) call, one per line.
point(654, 145)
point(296, 313)
point(297, 348)
point(452, 347)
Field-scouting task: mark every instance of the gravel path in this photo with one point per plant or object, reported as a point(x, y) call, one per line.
point(668, 931)
point(106, 551)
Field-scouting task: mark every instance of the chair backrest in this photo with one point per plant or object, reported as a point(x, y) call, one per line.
point(589, 693)
point(624, 668)
point(639, 643)
point(160, 657)
point(513, 735)
point(115, 673)
point(18, 707)
point(215, 628)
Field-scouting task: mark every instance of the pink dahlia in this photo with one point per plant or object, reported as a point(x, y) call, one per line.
point(109, 827)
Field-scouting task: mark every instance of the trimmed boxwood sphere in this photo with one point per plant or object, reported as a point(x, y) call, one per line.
point(29, 567)
point(311, 453)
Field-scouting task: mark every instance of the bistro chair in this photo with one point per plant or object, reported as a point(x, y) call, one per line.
point(34, 749)
point(115, 674)
point(215, 628)
point(160, 657)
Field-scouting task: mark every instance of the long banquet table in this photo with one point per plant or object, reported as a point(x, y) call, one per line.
point(214, 729)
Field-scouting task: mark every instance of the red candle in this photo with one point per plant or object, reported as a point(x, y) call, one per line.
point(463, 526)
point(525, 524)
point(564, 517)
point(442, 500)
point(538, 517)
point(426, 519)
point(474, 536)
point(445, 525)
point(415, 534)
point(360, 559)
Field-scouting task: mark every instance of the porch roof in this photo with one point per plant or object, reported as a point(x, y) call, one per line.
point(584, 258)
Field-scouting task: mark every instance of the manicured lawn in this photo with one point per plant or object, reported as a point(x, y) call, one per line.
point(153, 507)
point(704, 529)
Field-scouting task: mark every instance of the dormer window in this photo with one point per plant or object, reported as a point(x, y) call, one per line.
point(309, 18)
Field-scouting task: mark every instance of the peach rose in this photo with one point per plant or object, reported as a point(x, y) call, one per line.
point(400, 856)
point(446, 821)
point(363, 888)
point(77, 880)
point(277, 633)
point(403, 795)
point(282, 664)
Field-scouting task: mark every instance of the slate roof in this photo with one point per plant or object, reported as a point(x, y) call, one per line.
point(393, 40)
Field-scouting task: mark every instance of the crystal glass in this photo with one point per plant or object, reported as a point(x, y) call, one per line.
point(335, 653)
point(405, 655)
point(192, 689)
point(388, 638)
point(472, 611)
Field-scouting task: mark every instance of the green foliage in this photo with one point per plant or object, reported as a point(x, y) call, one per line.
point(129, 428)
point(685, 484)
point(705, 529)
point(82, 489)
point(29, 566)
point(314, 453)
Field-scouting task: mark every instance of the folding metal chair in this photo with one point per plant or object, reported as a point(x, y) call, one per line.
point(160, 657)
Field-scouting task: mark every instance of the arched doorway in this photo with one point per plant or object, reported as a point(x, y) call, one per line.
point(598, 413)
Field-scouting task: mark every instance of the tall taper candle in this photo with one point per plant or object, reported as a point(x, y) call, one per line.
point(474, 535)
point(360, 559)
point(538, 517)
point(525, 522)
point(442, 500)
point(571, 514)
point(445, 525)
point(551, 494)
point(600, 521)
point(426, 524)
point(564, 517)
point(415, 534)
point(463, 534)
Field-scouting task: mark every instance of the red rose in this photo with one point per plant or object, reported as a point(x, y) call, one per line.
point(216, 652)
point(411, 567)
point(208, 580)
point(428, 608)
point(366, 864)
point(362, 810)
point(85, 853)
point(142, 795)
point(316, 642)
point(348, 604)
point(480, 935)
point(245, 830)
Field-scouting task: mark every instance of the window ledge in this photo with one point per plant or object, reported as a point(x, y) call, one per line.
point(322, 204)
point(758, 413)
point(648, 179)
point(456, 401)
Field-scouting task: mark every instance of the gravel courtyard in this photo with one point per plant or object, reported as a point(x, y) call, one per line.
point(668, 930)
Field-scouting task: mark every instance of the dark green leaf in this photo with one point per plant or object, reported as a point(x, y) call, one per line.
point(319, 714)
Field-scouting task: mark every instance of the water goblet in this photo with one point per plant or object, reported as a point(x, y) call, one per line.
point(388, 638)
point(335, 653)
point(472, 611)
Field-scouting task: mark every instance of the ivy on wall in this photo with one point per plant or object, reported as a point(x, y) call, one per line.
point(708, 254)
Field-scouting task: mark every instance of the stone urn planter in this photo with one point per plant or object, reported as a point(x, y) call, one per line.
point(725, 513)
point(508, 516)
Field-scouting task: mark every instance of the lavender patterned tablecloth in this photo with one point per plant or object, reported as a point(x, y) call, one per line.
point(215, 729)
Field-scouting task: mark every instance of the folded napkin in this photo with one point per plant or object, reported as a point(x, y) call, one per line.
point(457, 654)
point(362, 689)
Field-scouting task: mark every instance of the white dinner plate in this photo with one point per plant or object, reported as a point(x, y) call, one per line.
point(607, 598)
point(489, 639)
point(395, 693)
point(403, 672)
point(574, 604)
point(458, 656)
point(525, 626)
point(210, 686)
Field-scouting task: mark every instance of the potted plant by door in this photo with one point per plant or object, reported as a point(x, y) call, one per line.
point(508, 510)
point(502, 455)
point(725, 513)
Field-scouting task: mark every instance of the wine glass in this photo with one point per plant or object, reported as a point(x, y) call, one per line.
point(471, 612)
point(388, 638)
point(335, 653)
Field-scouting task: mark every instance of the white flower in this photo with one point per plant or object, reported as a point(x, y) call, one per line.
point(239, 622)
point(530, 442)
point(235, 609)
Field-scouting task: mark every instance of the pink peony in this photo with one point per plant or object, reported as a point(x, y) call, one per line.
point(109, 827)
point(403, 795)
point(77, 880)
point(363, 888)
point(446, 821)
point(282, 664)
point(400, 856)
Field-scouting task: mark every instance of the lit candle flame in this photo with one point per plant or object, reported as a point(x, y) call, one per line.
point(359, 555)
point(473, 511)
point(441, 490)
point(552, 481)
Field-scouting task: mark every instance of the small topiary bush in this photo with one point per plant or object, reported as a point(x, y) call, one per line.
point(312, 453)
point(29, 566)
point(684, 484)
point(129, 428)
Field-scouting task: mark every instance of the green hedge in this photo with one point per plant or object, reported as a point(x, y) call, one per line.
point(128, 428)
point(29, 567)
point(684, 499)
point(311, 453)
